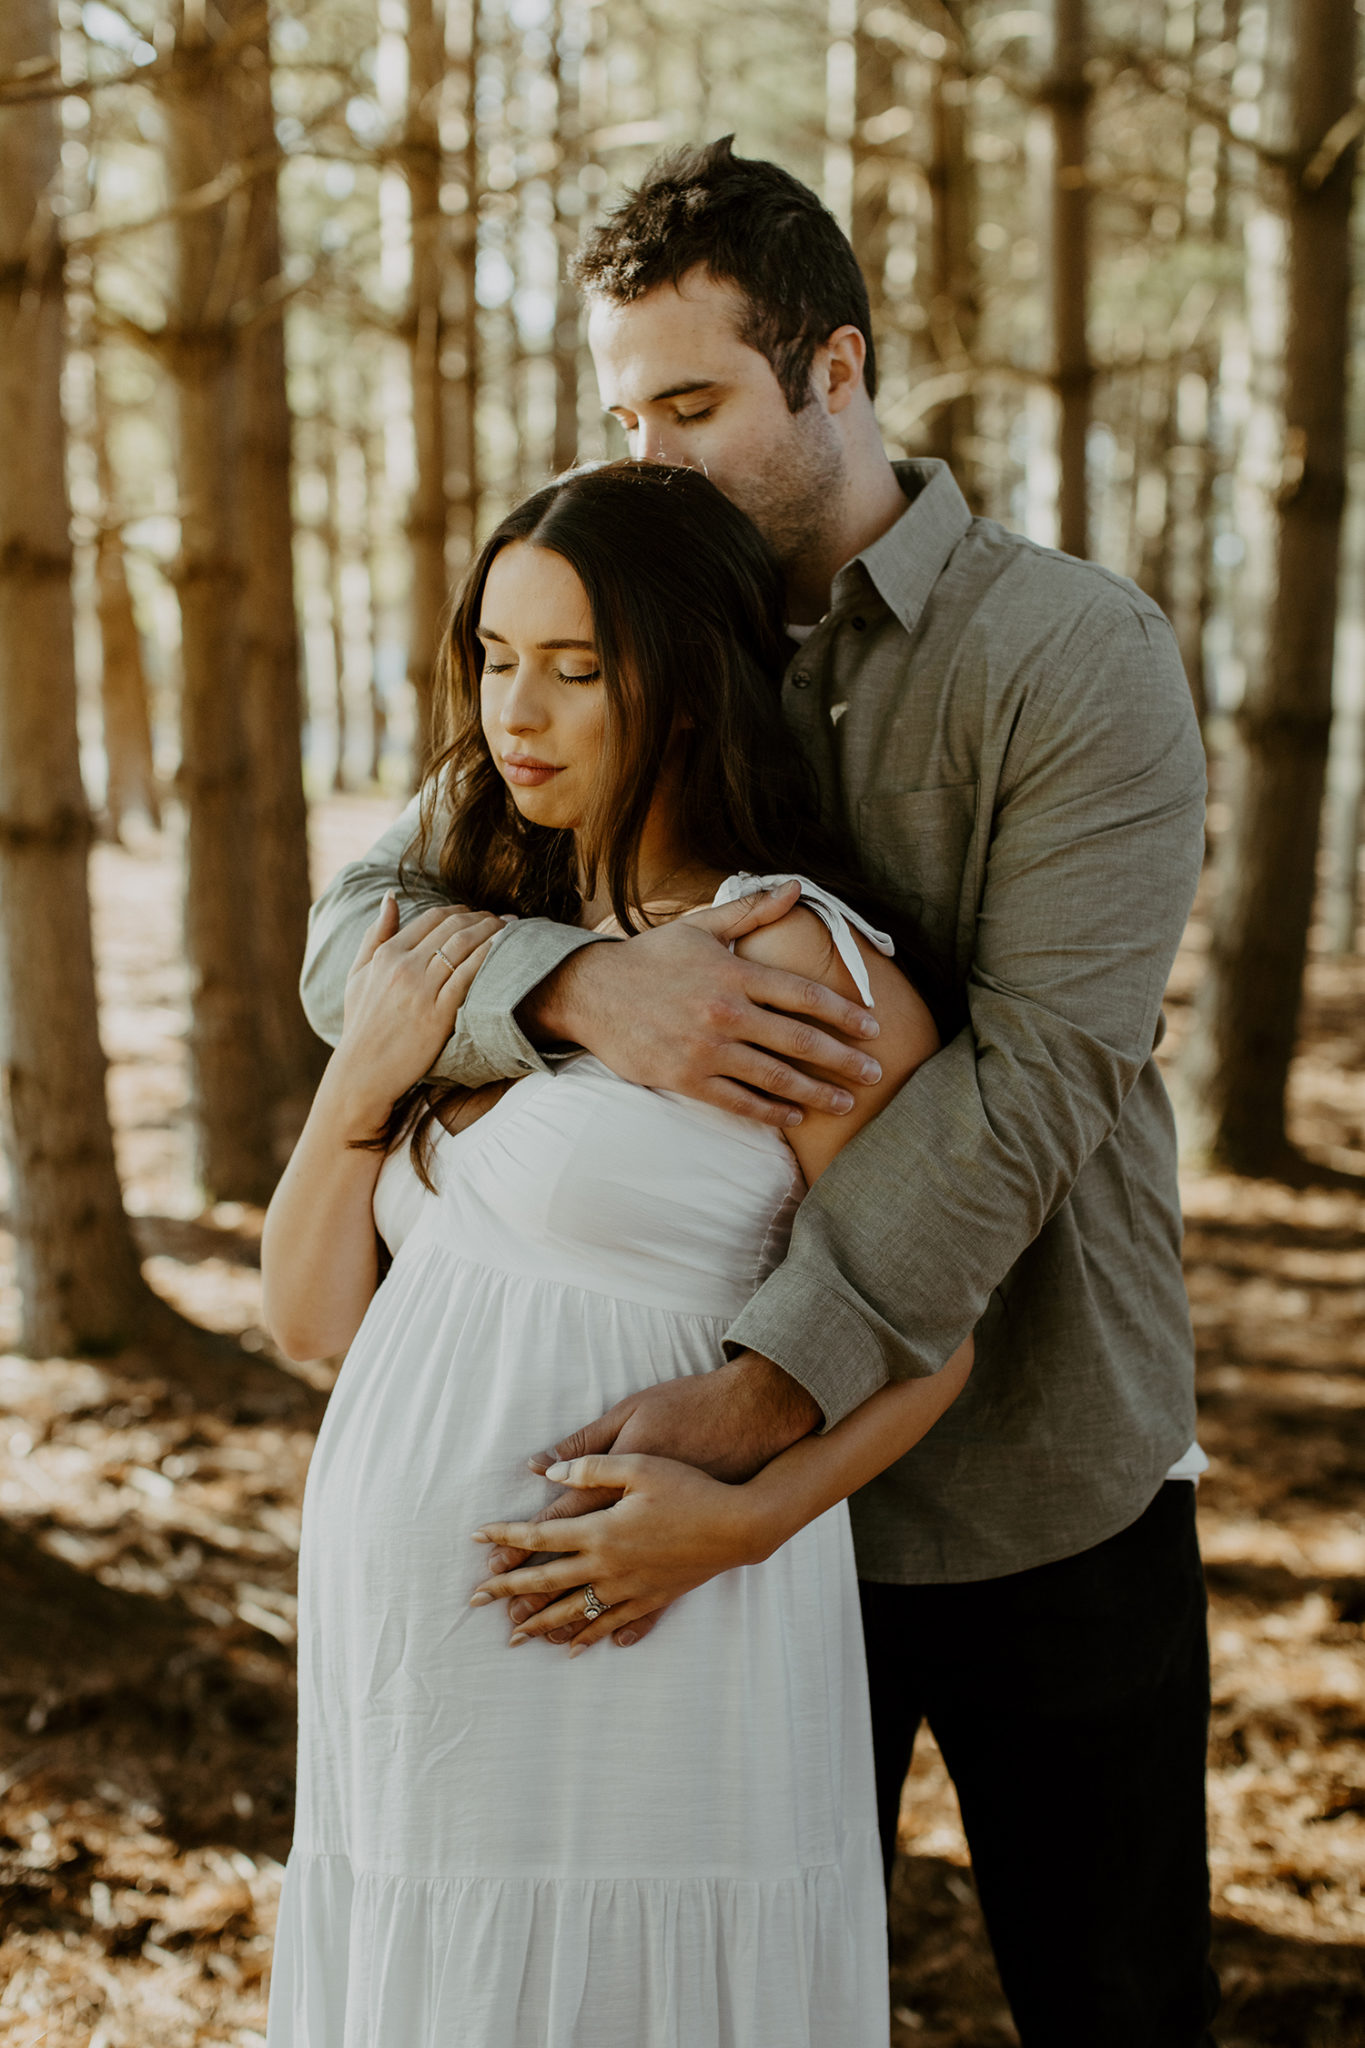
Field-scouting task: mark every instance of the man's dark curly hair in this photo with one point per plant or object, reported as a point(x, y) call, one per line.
point(749, 224)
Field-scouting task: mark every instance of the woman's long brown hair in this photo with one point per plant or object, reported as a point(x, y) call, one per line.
point(687, 609)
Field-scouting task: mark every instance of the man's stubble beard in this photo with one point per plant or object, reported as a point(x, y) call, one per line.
point(795, 500)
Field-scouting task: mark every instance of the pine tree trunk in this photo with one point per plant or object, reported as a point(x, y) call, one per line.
point(1238, 1063)
point(131, 784)
point(79, 1278)
point(952, 289)
point(379, 716)
point(464, 393)
point(331, 541)
point(1068, 94)
point(1152, 447)
point(425, 332)
point(874, 94)
point(1190, 501)
point(271, 680)
point(232, 1100)
point(566, 350)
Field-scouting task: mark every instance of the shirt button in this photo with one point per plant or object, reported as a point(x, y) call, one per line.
point(801, 682)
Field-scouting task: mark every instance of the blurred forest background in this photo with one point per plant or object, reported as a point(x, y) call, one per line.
point(283, 328)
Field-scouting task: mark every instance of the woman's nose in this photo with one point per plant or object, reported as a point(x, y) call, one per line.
point(523, 708)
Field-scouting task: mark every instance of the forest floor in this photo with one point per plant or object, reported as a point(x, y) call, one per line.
point(145, 1787)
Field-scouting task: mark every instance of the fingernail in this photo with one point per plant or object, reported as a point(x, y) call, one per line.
point(557, 1635)
point(557, 1472)
point(869, 1027)
point(579, 1648)
point(539, 1462)
point(479, 1537)
point(482, 1600)
point(841, 1104)
point(518, 1635)
point(793, 1118)
point(626, 1637)
point(871, 1071)
point(520, 1610)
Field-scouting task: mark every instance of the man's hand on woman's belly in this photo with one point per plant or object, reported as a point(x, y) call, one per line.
point(728, 1424)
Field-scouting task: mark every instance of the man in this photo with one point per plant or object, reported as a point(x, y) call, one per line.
point(1010, 735)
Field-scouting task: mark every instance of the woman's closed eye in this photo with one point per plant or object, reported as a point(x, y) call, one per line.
point(502, 668)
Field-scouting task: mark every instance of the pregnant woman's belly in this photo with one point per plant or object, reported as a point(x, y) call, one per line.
point(427, 1745)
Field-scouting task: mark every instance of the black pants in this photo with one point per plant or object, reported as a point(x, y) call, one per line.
point(1071, 1704)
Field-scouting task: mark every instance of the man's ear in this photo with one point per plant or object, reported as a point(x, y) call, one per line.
point(838, 367)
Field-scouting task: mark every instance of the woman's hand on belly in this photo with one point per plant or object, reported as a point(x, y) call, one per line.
point(672, 1529)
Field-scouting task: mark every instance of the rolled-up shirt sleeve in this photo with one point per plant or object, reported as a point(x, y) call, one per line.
point(1095, 851)
point(488, 1044)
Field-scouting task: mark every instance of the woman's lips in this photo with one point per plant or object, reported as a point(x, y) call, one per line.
point(527, 773)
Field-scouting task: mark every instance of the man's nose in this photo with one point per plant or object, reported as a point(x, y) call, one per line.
point(650, 445)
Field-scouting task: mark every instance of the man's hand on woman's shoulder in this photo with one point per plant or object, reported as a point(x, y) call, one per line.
point(674, 1008)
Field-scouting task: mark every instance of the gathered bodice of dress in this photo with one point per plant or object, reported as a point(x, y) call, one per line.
point(579, 1177)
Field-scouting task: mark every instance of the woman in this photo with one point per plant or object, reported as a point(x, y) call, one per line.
point(676, 1848)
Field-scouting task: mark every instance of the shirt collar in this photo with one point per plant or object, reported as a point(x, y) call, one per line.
point(906, 561)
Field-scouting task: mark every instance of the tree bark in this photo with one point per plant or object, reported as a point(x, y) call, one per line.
point(465, 377)
point(952, 285)
point(1068, 94)
point(568, 141)
point(233, 1107)
point(424, 327)
point(378, 707)
point(79, 1278)
point(870, 229)
point(1238, 1063)
point(1190, 517)
point(271, 680)
point(336, 565)
point(131, 773)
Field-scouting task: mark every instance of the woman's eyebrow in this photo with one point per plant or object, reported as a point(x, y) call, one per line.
point(542, 646)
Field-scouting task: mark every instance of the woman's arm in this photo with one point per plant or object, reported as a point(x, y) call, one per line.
point(319, 1254)
point(676, 1526)
point(800, 943)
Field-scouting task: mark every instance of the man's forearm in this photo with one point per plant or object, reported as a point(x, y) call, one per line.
point(346, 908)
point(549, 1014)
point(487, 1044)
point(817, 1472)
point(511, 1015)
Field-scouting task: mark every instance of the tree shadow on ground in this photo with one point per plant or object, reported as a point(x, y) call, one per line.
point(110, 1697)
point(1278, 1992)
point(192, 1239)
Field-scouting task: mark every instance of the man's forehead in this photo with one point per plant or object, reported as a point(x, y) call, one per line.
point(668, 340)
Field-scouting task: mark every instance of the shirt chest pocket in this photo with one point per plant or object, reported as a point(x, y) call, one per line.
point(919, 846)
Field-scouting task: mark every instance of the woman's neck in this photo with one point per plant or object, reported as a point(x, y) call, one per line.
point(668, 876)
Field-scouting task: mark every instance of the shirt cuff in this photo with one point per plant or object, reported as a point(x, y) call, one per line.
point(488, 1043)
point(816, 1336)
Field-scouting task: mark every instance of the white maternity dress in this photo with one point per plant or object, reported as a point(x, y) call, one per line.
point(669, 1846)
